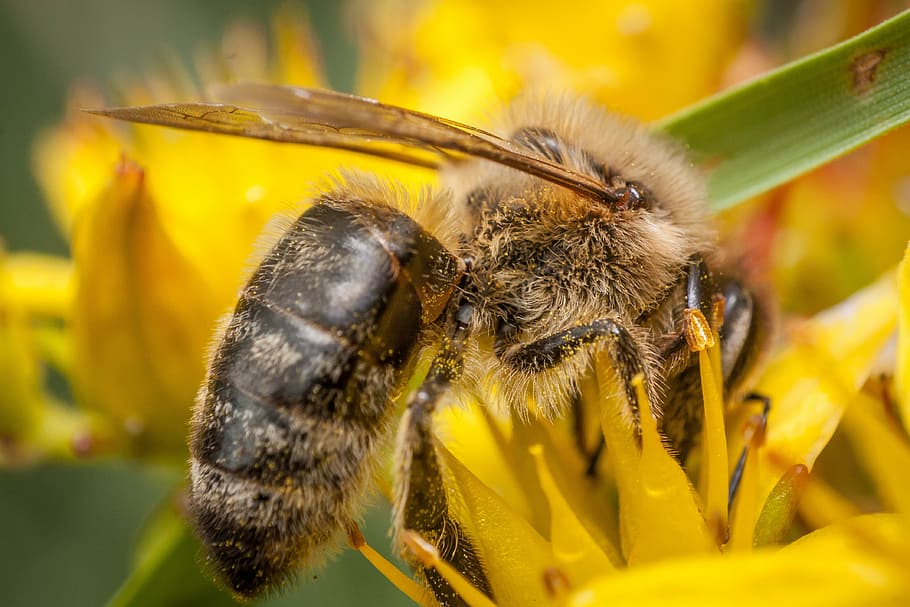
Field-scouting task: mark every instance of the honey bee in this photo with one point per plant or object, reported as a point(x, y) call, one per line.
point(577, 232)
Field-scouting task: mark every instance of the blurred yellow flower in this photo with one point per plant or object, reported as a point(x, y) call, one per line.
point(161, 225)
point(35, 298)
point(644, 58)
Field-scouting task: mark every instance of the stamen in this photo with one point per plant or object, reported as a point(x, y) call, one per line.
point(714, 459)
point(428, 556)
point(744, 508)
point(400, 580)
point(699, 334)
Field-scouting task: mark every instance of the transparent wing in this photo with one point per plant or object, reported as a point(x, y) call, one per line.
point(337, 120)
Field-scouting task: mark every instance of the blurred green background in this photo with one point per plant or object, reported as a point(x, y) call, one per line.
point(67, 533)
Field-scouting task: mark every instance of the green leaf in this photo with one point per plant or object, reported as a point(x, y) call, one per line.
point(795, 118)
point(166, 573)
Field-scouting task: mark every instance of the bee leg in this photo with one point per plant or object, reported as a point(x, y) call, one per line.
point(628, 354)
point(742, 330)
point(737, 475)
point(675, 350)
point(676, 359)
point(682, 406)
point(421, 502)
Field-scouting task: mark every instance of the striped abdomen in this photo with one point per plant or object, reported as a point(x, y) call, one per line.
point(298, 392)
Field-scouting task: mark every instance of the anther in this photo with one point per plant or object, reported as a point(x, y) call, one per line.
point(698, 331)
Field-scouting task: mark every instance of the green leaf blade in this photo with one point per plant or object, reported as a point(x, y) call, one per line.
point(166, 573)
point(800, 116)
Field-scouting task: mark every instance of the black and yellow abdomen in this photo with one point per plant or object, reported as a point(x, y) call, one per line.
point(298, 392)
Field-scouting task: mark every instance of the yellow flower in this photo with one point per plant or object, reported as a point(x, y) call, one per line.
point(641, 58)
point(161, 224)
point(547, 536)
point(35, 295)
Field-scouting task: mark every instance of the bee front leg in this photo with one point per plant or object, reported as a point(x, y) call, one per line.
point(421, 502)
point(627, 352)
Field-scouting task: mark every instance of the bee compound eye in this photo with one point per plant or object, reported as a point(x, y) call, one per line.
point(630, 197)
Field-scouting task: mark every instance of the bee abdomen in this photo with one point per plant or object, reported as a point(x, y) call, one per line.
point(298, 392)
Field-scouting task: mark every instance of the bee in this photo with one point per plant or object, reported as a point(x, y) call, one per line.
point(574, 233)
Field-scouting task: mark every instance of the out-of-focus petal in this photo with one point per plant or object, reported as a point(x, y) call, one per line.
point(39, 284)
point(902, 372)
point(814, 378)
point(643, 58)
point(841, 226)
point(297, 57)
point(72, 162)
point(20, 373)
point(841, 566)
point(35, 292)
point(142, 316)
point(884, 452)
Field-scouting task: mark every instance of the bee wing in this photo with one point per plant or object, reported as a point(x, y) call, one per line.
point(229, 119)
point(337, 120)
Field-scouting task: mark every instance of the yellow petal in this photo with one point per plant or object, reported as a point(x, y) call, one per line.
point(142, 316)
point(902, 372)
point(820, 505)
point(579, 554)
point(482, 444)
point(566, 482)
point(813, 379)
point(33, 424)
point(296, 49)
point(659, 512)
point(514, 555)
point(884, 452)
point(39, 284)
point(526, 436)
point(842, 566)
point(20, 372)
point(72, 162)
point(644, 57)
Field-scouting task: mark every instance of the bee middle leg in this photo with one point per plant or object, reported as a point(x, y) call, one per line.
point(421, 502)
